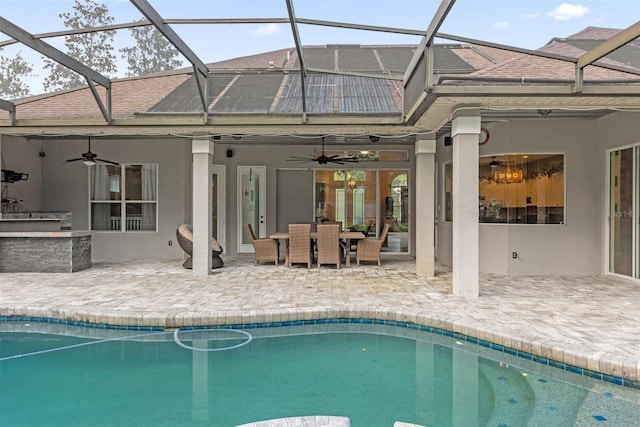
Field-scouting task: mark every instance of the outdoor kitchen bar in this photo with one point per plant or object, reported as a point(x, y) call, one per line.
point(38, 242)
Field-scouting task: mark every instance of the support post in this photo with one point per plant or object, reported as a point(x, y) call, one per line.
point(465, 132)
point(425, 201)
point(202, 150)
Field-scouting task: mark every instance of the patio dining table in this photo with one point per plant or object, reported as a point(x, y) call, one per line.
point(347, 236)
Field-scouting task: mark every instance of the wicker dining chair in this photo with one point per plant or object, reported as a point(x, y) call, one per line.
point(369, 248)
point(334, 222)
point(300, 244)
point(370, 229)
point(328, 243)
point(266, 250)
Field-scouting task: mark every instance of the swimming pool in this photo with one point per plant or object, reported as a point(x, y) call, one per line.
point(374, 374)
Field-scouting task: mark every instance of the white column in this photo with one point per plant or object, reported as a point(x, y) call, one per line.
point(202, 150)
point(465, 132)
point(425, 201)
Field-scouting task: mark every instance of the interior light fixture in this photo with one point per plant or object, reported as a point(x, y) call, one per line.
point(351, 182)
point(89, 162)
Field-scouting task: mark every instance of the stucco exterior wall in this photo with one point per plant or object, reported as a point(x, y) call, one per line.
point(59, 186)
point(276, 157)
point(65, 188)
point(21, 155)
point(575, 247)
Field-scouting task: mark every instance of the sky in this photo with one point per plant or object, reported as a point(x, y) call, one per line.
point(527, 24)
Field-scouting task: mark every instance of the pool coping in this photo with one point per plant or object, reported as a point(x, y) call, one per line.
point(598, 366)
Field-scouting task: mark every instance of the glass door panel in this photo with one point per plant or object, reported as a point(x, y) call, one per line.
point(251, 204)
point(394, 208)
point(621, 212)
point(361, 199)
point(214, 205)
point(218, 205)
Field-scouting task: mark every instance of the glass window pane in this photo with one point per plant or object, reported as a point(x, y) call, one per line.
point(393, 156)
point(140, 217)
point(105, 216)
point(522, 189)
point(340, 206)
point(133, 182)
point(358, 206)
point(141, 182)
point(105, 182)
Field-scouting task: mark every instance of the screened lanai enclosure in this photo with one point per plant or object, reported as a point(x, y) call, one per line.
point(480, 155)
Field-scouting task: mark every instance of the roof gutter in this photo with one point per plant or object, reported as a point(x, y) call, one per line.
point(524, 80)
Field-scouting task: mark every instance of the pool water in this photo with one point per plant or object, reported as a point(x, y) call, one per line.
point(373, 374)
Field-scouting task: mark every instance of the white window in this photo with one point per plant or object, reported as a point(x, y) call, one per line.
point(341, 213)
point(123, 197)
point(358, 206)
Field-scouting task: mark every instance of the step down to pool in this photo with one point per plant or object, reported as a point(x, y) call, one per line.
point(309, 421)
point(401, 424)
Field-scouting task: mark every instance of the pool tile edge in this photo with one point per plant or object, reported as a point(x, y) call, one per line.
point(602, 366)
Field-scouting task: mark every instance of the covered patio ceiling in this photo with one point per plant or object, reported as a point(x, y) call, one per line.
point(427, 100)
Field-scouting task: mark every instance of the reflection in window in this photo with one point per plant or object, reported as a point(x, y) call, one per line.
point(365, 200)
point(448, 192)
point(369, 155)
point(522, 189)
point(621, 211)
point(341, 214)
point(516, 189)
point(358, 206)
point(123, 198)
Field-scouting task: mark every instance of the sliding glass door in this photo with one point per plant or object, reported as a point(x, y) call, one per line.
point(622, 212)
point(365, 200)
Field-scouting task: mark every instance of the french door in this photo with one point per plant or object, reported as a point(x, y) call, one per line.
point(251, 203)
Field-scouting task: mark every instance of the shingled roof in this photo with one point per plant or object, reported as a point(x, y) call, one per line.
point(269, 83)
point(587, 39)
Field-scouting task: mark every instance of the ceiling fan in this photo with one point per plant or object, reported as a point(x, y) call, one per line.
point(89, 158)
point(324, 159)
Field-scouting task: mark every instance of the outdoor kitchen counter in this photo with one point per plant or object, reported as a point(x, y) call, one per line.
point(44, 251)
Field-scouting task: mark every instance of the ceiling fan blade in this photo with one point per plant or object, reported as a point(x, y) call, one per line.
point(74, 160)
point(108, 161)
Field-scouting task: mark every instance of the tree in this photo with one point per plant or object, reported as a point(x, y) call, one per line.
point(153, 52)
point(92, 49)
point(12, 70)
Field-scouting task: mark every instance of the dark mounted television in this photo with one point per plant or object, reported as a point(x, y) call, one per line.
point(11, 176)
